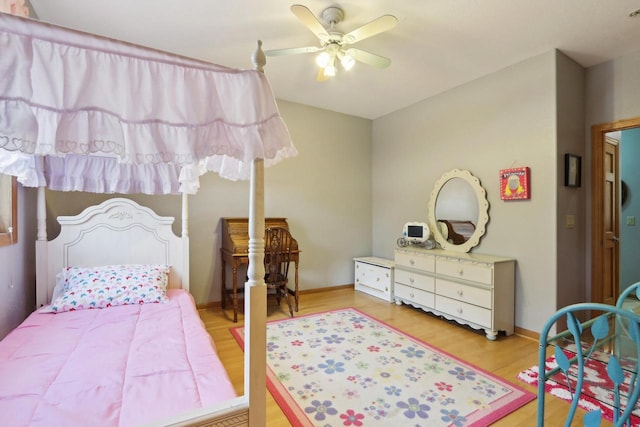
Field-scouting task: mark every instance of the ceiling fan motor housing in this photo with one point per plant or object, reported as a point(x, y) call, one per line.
point(333, 15)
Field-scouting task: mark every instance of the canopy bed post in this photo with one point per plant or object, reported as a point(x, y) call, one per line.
point(42, 215)
point(185, 215)
point(42, 296)
point(185, 239)
point(255, 359)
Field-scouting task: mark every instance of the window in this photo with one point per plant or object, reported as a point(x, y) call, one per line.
point(8, 210)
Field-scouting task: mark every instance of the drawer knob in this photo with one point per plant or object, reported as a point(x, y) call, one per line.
point(377, 279)
point(460, 293)
point(459, 310)
point(411, 279)
point(386, 289)
point(411, 294)
point(411, 261)
point(460, 271)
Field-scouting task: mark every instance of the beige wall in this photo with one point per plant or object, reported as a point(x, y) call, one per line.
point(571, 246)
point(613, 90)
point(17, 272)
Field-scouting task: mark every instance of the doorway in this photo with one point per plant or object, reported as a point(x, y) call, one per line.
point(605, 211)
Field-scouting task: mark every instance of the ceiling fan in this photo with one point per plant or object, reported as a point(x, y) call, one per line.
point(335, 46)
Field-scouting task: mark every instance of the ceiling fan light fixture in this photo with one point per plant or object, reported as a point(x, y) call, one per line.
point(347, 62)
point(334, 44)
point(323, 59)
point(330, 70)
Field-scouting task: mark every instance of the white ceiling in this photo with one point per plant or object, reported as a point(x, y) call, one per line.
point(437, 44)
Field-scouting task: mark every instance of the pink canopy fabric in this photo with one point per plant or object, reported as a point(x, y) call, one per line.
point(87, 113)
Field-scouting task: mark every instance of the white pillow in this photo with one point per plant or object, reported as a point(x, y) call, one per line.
point(58, 289)
point(111, 285)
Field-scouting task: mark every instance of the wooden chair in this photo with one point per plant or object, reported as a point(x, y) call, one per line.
point(277, 249)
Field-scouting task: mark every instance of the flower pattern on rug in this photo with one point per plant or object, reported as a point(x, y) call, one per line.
point(344, 368)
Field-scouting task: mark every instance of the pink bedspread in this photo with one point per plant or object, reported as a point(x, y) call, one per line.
point(120, 366)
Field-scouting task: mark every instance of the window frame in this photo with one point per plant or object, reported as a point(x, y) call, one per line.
point(7, 239)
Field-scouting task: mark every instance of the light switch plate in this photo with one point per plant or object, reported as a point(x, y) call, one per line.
point(570, 221)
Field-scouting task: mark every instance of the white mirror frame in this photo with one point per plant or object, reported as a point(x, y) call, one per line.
point(483, 211)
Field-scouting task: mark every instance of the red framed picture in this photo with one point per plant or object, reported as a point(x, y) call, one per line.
point(515, 184)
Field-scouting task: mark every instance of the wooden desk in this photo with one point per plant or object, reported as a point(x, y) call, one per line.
point(234, 250)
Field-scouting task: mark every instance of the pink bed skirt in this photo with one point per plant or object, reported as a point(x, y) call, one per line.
point(120, 366)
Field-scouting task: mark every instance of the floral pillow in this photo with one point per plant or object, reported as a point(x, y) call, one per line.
point(111, 285)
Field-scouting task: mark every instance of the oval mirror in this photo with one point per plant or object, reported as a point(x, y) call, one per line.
point(458, 211)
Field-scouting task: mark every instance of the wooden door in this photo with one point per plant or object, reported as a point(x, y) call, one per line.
point(605, 210)
point(608, 292)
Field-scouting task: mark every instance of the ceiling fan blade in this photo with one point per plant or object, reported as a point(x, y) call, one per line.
point(368, 58)
point(377, 26)
point(292, 51)
point(310, 21)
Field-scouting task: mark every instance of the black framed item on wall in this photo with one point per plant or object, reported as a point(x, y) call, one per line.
point(572, 170)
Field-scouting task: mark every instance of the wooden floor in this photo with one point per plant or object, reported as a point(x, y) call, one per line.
point(505, 357)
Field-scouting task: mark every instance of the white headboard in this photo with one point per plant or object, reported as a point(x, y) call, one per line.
point(117, 231)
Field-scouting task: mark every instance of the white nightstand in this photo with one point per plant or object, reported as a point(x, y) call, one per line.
point(374, 276)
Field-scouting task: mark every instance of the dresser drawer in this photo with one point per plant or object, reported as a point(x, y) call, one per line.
point(468, 312)
point(472, 271)
point(419, 261)
point(415, 280)
point(417, 296)
point(464, 293)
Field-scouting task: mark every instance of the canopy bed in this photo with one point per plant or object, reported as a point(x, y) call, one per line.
point(80, 112)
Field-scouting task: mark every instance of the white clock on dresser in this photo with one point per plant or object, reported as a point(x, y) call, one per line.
point(472, 289)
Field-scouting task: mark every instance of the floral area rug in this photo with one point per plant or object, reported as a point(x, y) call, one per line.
point(345, 368)
point(597, 387)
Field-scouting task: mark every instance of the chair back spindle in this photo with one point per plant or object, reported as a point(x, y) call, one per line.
point(278, 246)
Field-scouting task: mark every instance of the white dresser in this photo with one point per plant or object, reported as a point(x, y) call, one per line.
point(472, 289)
point(374, 276)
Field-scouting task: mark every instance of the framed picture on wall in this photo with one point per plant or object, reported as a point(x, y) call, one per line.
point(515, 184)
point(572, 170)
